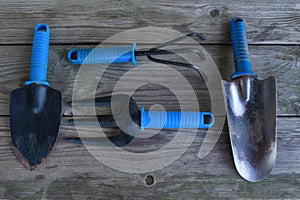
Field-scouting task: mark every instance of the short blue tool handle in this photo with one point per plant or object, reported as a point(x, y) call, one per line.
point(39, 56)
point(103, 55)
point(240, 49)
point(172, 120)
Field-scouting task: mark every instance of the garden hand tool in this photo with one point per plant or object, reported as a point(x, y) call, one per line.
point(127, 54)
point(35, 110)
point(130, 118)
point(251, 112)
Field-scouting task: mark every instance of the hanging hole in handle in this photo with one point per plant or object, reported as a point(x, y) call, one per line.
point(208, 119)
point(41, 27)
point(238, 19)
point(72, 55)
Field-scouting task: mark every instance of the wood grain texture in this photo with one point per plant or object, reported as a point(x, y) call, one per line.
point(268, 22)
point(73, 173)
point(278, 61)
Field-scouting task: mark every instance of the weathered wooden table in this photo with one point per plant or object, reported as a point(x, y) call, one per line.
point(273, 29)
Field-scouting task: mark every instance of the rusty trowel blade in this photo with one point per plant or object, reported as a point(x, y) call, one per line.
point(35, 113)
point(251, 115)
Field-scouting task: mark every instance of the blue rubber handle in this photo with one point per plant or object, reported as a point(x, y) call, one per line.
point(39, 56)
point(158, 119)
point(105, 55)
point(240, 49)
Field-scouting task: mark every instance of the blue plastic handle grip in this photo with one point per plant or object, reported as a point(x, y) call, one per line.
point(39, 56)
point(240, 49)
point(158, 119)
point(104, 55)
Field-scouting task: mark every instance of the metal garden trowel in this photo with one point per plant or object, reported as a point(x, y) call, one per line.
point(251, 112)
point(35, 110)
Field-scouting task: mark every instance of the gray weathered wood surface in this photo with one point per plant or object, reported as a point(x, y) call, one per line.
point(73, 173)
point(92, 21)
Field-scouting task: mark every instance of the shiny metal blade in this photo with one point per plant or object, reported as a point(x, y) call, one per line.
point(251, 115)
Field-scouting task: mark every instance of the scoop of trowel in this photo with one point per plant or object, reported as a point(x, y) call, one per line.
point(35, 110)
point(251, 112)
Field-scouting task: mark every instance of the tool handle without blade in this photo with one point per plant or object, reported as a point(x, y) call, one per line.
point(39, 57)
point(103, 55)
point(240, 49)
point(161, 119)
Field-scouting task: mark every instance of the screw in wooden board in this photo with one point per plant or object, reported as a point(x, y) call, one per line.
point(149, 180)
point(215, 13)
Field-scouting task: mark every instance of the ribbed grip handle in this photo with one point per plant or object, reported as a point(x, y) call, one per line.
point(240, 49)
point(104, 55)
point(39, 57)
point(158, 119)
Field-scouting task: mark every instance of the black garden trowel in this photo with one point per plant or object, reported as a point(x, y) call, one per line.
point(35, 110)
point(251, 112)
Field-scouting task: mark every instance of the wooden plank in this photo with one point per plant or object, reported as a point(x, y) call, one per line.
point(268, 22)
point(279, 61)
point(73, 173)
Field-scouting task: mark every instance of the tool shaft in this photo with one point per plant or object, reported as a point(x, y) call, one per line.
point(105, 121)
